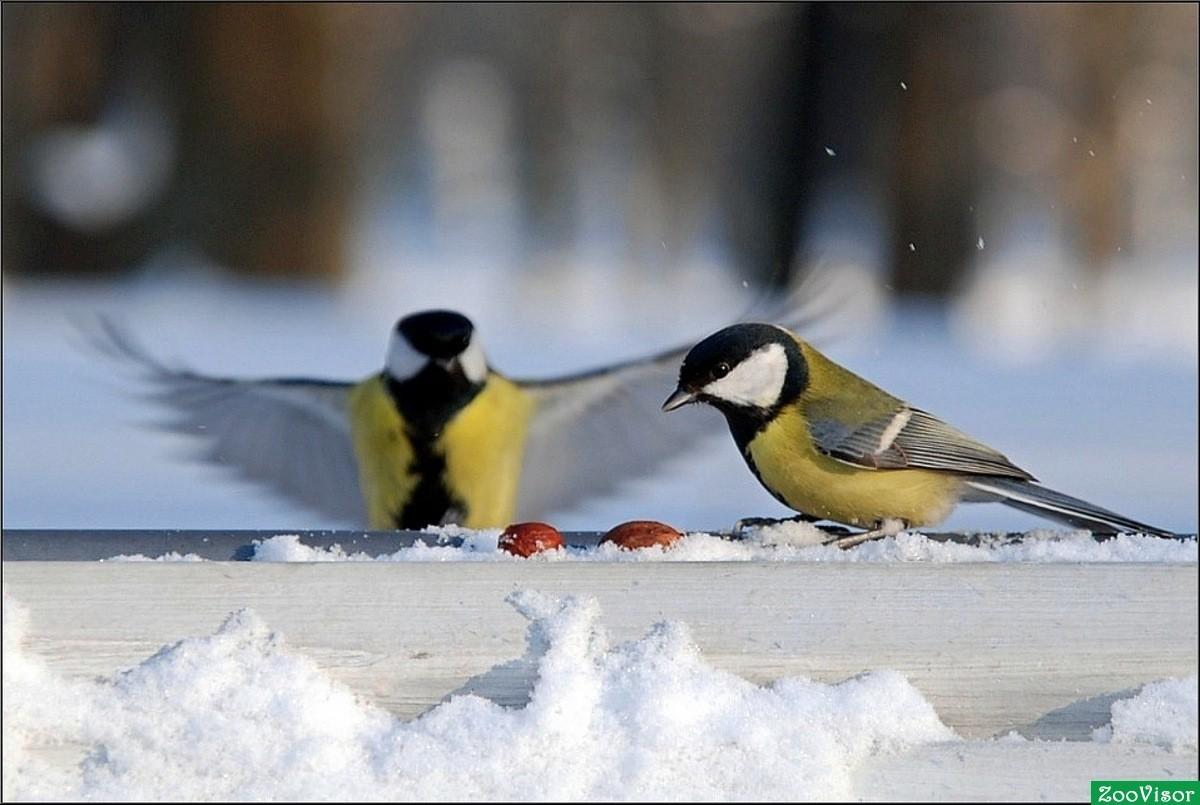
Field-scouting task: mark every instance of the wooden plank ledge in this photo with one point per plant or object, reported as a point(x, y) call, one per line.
point(1038, 648)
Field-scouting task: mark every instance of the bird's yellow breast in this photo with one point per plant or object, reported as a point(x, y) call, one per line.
point(481, 446)
point(813, 483)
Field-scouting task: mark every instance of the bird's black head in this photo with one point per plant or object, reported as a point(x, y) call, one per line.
point(438, 334)
point(436, 340)
point(743, 370)
point(435, 366)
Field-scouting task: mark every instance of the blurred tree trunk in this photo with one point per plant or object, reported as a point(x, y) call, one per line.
point(262, 159)
point(263, 153)
point(934, 170)
point(60, 65)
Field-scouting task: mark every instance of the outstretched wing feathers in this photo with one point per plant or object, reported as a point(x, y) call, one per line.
point(589, 432)
point(594, 430)
point(289, 435)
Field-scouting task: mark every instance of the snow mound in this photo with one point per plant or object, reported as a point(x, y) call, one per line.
point(788, 542)
point(1163, 713)
point(169, 556)
point(238, 715)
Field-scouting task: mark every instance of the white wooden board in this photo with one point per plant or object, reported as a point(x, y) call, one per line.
point(1040, 648)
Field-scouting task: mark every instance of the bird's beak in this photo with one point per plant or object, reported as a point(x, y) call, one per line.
point(679, 399)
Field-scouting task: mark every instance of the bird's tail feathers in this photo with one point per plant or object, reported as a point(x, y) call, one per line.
point(1039, 500)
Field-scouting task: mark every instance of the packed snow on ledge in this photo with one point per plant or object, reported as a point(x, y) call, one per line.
point(790, 542)
point(1163, 713)
point(238, 715)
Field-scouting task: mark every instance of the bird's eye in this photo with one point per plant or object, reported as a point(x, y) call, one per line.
point(721, 369)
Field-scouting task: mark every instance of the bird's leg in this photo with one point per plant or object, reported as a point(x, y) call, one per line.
point(748, 523)
point(885, 528)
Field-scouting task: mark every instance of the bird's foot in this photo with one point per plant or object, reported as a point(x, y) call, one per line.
point(887, 528)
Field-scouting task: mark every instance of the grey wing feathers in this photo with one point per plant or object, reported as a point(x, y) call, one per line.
point(909, 437)
point(289, 435)
point(591, 433)
point(804, 306)
point(595, 430)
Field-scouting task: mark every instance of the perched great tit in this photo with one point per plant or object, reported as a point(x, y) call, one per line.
point(437, 436)
point(832, 446)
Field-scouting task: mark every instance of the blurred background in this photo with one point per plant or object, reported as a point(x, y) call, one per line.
point(1005, 196)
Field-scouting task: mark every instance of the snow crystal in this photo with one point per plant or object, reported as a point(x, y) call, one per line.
point(170, 556)
point(1163, 713)
point(830, 151)
point(780, 542)
point(240, 715)
point(1037, 546)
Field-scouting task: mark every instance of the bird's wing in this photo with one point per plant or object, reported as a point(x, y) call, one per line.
point(289, 435)
point(906, 437)
point(593, 431)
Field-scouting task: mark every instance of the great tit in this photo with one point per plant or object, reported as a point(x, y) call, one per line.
point(832, 446)
point(437, 436)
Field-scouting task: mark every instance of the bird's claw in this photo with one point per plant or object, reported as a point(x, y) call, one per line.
point(888, 528)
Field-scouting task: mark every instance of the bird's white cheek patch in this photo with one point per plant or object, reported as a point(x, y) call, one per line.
point(403, 361)
point(473, 361)
point(756, 381)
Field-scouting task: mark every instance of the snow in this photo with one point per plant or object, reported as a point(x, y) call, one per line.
point(241, 715)
point(1163, 713)
point(169, 556)
point(789, 542)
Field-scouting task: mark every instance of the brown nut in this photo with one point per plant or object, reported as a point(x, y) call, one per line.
point(641, 534)
point(526, 539)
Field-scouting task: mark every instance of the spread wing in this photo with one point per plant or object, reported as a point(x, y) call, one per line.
point(908, 437)
point(594, 431)
point(289, 435)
